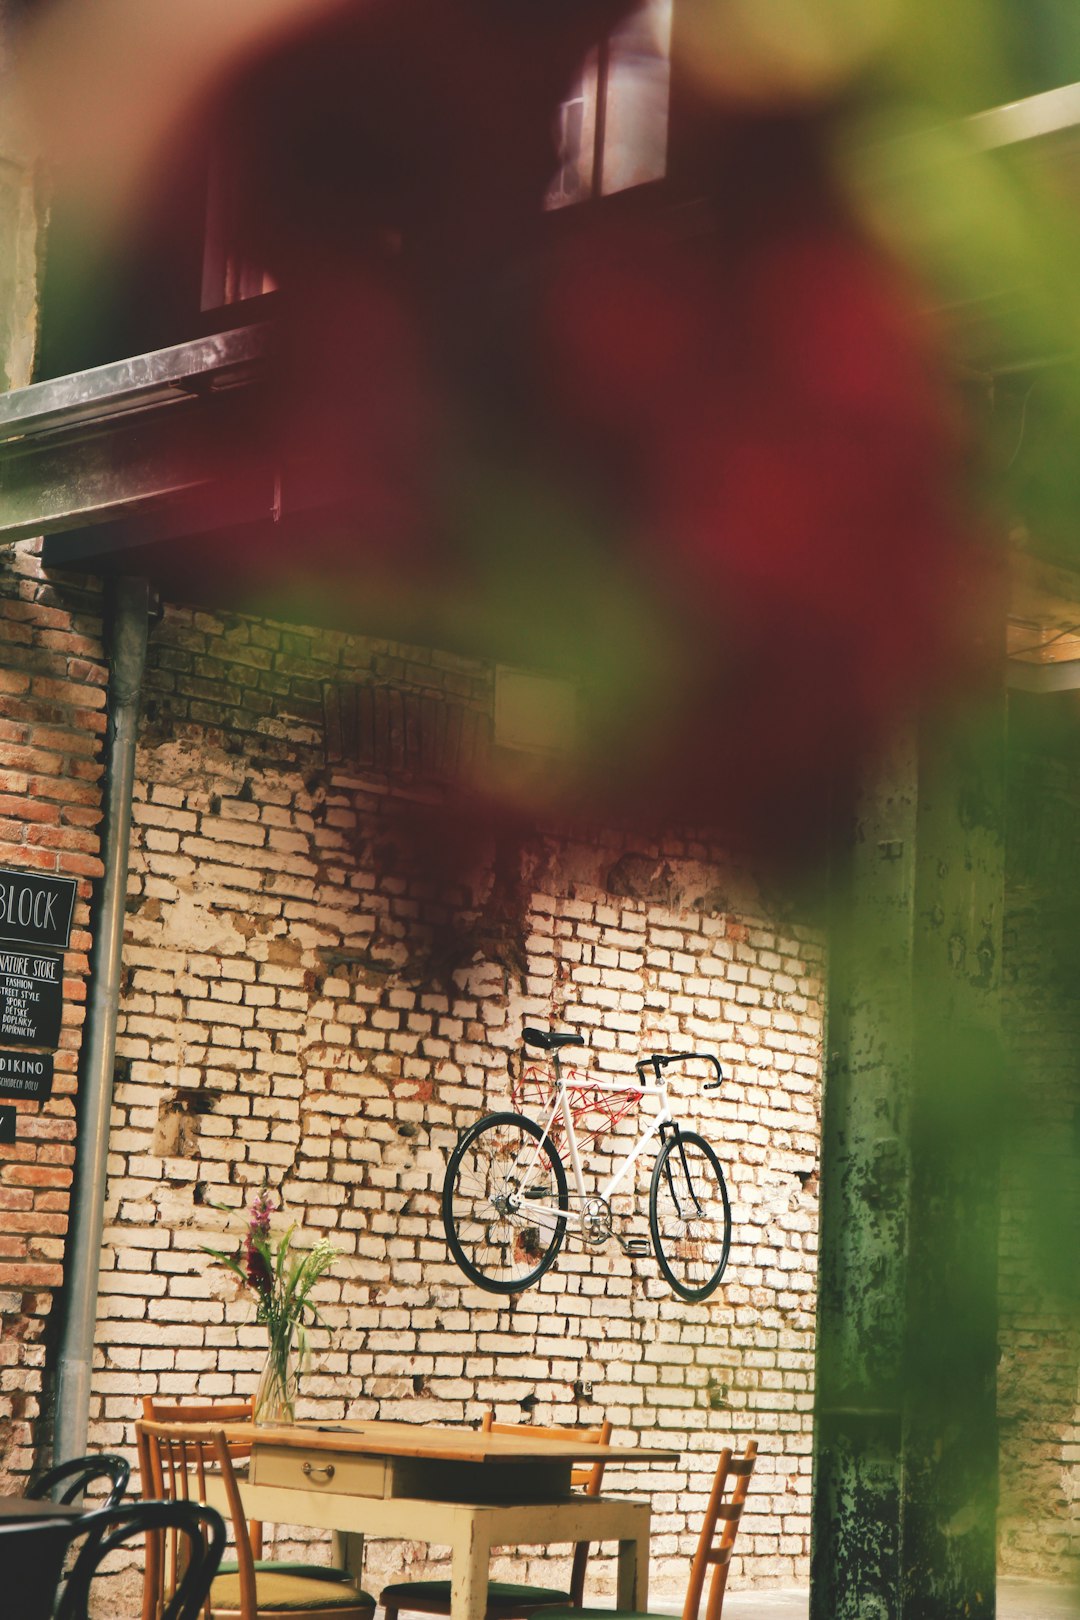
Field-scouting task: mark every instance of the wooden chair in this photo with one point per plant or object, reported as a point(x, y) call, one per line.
point(710, 1549)
point(181, 1458)
point(155, 1409)
point(506, 1600)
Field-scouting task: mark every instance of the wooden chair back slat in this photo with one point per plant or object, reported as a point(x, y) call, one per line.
point(157, 1410)
point(152, 1570)
point(719, 1512)
point(238, 1411)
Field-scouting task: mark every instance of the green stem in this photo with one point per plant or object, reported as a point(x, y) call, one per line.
point(277, 1392)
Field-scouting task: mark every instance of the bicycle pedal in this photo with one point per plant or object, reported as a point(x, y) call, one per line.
point(636, 1248)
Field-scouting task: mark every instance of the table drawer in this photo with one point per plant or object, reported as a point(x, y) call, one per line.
point(342, 1471)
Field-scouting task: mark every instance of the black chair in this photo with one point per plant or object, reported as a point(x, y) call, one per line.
point(80, 1472)
point(32, 1557)
point(202, 1527)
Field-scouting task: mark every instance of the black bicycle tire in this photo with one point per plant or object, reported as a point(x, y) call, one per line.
point(667, 1149)
point(465, 1142)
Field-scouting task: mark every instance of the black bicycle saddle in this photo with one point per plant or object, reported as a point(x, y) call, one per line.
point(550, 1040)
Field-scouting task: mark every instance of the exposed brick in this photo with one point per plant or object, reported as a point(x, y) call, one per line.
point(81, 865)
point(317, 1066)
point(76, 693)
point(30, 1275)
point(291, 989)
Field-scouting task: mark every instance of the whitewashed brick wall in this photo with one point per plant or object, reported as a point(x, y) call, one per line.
point(313, 997)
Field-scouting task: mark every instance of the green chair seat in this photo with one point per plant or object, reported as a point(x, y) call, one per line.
point(317, 1572)
point(601, 1614)
point(275, 1590)
point(501, 1594)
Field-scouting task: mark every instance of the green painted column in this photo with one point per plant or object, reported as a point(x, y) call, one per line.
point(905, 1462)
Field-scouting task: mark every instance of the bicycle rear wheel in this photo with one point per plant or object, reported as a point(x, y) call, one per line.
point(502, 1186)
point(690, 1215)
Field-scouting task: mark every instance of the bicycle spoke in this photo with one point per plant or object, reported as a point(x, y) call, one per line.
point(690, 1216)
point(501, 1239)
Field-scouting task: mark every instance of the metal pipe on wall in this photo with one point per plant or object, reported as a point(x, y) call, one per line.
point(129, 605)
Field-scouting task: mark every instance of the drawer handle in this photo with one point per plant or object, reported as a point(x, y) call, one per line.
point(318, 1475)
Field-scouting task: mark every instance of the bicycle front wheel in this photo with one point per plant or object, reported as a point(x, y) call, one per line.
point(504, 1185)
point(690, 1215)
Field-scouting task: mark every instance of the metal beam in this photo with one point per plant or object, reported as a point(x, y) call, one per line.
point(50, 483)
point(1044, 677)
point(1050, 112)
point(122, 439)
point(145, 381)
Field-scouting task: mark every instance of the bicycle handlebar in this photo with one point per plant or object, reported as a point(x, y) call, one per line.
point(657, 1063)
point(554, 1041)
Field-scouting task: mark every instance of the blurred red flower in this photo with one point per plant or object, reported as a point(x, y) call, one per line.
point(741, 401)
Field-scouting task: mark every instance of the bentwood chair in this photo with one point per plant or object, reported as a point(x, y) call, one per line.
point(507, 1600)
point(711, 1550)
point(32, 1558)
point(181, 1459)
point(78, 1473)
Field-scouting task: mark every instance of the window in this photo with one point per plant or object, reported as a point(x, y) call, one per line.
point(612, 136)
point(179, 274)
point(227, 276)
point(535, 714)
point(613, 128)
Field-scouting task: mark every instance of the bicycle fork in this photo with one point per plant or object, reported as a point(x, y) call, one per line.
point(686, 1172)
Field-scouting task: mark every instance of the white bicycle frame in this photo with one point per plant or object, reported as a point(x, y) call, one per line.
point(573, 1218)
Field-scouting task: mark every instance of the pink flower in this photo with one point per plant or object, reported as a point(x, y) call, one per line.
point(262, 1207)
point(256, 1266)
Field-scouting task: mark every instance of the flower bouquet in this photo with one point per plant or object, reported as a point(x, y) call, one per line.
point(282, 1279)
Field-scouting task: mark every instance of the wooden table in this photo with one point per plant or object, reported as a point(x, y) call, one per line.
point(27, 1510)
point(459, 1488)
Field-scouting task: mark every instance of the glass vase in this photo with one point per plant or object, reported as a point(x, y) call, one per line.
point(275, 1395)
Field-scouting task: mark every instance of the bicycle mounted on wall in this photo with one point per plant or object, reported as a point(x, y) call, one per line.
point(506, 1203)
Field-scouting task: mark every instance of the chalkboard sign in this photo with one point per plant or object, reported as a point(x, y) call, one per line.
point(26, 1074)
point(31, 997)
point(36, 909)
point(8, 1116)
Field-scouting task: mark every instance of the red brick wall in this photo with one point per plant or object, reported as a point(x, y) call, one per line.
point(52, 723)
